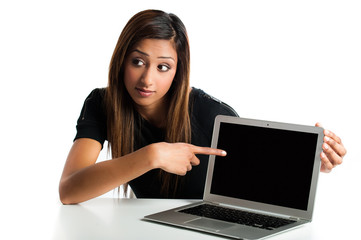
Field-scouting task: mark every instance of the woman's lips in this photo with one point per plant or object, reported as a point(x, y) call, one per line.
point(144, 92)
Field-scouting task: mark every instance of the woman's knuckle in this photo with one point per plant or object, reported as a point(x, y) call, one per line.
point(339, 161)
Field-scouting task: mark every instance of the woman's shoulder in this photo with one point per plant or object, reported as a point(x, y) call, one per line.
point(97, 94)
point(204, 104)
point(203, 110)
point(93, 107)
point(92, 119)
point(95, 99)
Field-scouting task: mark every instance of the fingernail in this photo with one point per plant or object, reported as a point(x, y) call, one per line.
point(327, 139)
point(325, 146)
point(224, 153)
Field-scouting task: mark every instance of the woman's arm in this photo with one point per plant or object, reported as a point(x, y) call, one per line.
point(83, 179)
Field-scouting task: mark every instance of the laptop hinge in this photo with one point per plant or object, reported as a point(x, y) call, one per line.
point(294, 218)
point(260, 212)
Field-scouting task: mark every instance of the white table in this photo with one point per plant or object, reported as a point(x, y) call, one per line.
point(111, 218)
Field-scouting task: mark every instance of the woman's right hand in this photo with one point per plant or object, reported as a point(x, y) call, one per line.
point(178, 158)
point(83, 178)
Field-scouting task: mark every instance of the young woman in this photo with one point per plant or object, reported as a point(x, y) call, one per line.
point(154, 122)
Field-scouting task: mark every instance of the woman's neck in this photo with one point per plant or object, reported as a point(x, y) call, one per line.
point(155, 114)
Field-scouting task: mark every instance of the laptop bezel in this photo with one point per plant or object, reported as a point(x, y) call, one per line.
point(262, 207)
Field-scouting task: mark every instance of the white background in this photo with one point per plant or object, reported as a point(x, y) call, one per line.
point(291, 61)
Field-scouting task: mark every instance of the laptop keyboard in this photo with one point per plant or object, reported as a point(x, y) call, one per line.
point(237, 216)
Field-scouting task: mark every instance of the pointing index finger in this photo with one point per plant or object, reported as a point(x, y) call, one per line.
point(208, 151)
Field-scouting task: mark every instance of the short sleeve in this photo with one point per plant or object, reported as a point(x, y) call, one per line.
point(92, 120)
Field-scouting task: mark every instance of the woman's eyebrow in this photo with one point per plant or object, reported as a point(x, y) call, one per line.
point(167, 58)
point(143, 53)
point(146, 54)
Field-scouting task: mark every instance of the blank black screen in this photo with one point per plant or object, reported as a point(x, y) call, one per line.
point(265, 165)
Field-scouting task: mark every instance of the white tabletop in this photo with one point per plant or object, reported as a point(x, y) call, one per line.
point(111, 218)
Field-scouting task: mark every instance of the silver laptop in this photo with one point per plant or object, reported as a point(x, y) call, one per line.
point(264, 186)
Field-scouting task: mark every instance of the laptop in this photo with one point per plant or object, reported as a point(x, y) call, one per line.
point(265, 185)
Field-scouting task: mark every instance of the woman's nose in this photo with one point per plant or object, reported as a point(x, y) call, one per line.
point(148, 76)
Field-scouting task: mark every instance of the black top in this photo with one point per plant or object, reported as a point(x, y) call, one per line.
point(202, 108)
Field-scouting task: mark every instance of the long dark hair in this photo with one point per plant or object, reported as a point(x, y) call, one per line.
point(149, 24)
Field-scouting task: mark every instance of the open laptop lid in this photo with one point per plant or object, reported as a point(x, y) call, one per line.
point(270, 166)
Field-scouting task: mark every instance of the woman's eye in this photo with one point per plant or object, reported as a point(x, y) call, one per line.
point(163, 68)
point(137, 62)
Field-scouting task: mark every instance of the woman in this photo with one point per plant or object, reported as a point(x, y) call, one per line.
point(154, 122)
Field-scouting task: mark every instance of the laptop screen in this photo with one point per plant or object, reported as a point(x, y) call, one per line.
point(265, 165)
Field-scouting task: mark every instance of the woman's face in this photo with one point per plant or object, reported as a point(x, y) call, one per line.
point(149, 72)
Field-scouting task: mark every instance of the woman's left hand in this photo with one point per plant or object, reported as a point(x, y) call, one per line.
point(333, 151)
